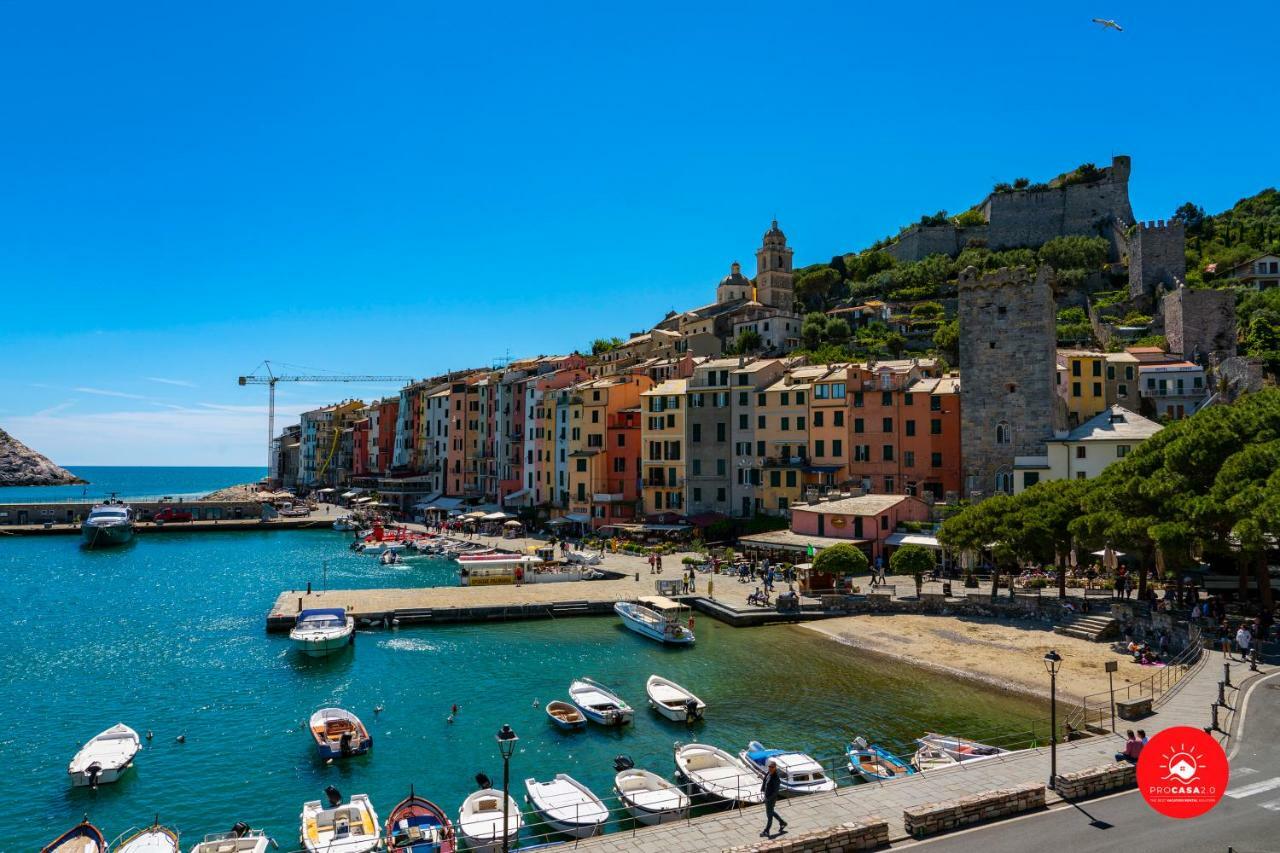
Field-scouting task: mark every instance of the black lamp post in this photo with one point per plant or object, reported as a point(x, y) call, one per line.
point(507, 746)
point(1052, 663)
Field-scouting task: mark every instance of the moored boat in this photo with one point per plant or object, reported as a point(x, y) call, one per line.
point(105, 757)
point(338, 733)
point(600, 704)
point(673, 701)
point(931, 758)
point(657, 618)
point(874, 763)
point(108, 524)
point(241, 839)
point(418, 825)
point(84, 837)
point(567, 806)
point(959, 748)
point(480, 821)
point(350, 827)
point(717, 775)
point(323, 631)
point(799, 773)
point(649, 798)
point(565, 715)
point(153, 839)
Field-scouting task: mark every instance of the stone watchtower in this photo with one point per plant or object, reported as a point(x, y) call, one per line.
point(1157, 258)
point(1200, 324)
point(1007, 369)
point(774, 279)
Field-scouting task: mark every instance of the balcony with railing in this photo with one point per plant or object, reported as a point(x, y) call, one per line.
point(786, 461)
point(664, 483)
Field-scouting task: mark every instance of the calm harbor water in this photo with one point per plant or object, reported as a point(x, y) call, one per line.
point(166, 635)
point(135, 482)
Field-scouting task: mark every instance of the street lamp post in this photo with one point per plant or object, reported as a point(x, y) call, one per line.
point(1052, 662)
point(506, 745)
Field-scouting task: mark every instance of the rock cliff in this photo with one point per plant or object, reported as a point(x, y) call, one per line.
point(22, 466)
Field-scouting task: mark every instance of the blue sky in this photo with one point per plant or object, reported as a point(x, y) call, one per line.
point(411, 187)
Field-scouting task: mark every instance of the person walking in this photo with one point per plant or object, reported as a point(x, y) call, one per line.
point(1244, 639)
point(1224, 638)
point(770, 787)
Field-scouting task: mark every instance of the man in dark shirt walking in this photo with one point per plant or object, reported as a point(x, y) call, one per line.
point(772, 782)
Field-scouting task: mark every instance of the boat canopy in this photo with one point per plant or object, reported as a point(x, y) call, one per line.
point(660, 602)
point(323, 613)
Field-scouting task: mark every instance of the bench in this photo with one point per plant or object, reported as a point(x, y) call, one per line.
point(1134, 709)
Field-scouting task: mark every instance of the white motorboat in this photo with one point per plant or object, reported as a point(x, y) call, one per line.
point(567, 806)
point(323, 631)
point(241, 839)
point(153, 839)
point(716, 774)
point(342, 828)
point(673, 701)
point(657, 618)
point(338, 733)
point(799, 773)
point(959, 748)
point(599, 703)
point(480, 821)
point(344, 523)
point(649, 798)
point(108, 524)
point(389, 557)
point(581, 559)
point(105, 757)
point(931, 758)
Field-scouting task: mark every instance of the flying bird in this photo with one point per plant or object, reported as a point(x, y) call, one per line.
point(1108, 25)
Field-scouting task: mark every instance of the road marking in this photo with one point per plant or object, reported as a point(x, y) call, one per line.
point(1273, 806)
point(1237, 729)
point(1242, 771)
point(1256, 788)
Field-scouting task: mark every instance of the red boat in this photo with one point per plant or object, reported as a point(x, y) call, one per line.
point(418, 825)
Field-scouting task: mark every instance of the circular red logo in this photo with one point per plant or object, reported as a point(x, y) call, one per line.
point(1182, 772)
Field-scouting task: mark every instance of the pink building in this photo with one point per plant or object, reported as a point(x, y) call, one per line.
point(866, 521)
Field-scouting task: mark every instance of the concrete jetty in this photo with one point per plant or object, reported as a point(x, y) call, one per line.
point(201, 526)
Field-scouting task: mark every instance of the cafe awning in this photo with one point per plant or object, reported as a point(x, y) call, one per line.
point(922, 539)
point(578, 517)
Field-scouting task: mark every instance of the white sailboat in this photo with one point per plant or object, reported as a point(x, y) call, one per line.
point(105, 757)
point(480, 821)
point(567, 806)
point(673, 701)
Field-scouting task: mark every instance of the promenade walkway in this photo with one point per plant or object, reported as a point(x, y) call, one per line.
point(1189, 704)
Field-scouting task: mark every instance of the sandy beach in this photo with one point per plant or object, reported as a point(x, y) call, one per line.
point(1009, 656)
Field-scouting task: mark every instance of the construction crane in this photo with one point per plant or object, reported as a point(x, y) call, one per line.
point(271, 379)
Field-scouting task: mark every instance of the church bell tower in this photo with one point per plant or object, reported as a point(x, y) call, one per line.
point(774, 279)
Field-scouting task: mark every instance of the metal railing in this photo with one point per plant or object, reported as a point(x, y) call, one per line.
point(535, 831)
point(1096, 708)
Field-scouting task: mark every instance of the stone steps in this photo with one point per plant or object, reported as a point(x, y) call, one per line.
point(1095, 629)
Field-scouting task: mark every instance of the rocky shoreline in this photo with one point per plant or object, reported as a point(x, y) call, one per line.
point(22, 466)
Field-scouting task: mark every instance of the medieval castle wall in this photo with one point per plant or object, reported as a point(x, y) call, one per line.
point(1007, 340)
point(1200, 323)
point(1157, 258)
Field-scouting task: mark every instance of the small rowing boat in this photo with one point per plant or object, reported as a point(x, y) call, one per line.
point(84, 837)
point(874, 763)
point(566, 716)
point(931, 758)
point(959, 748)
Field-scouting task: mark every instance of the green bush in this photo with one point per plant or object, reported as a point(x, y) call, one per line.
point(841, 560)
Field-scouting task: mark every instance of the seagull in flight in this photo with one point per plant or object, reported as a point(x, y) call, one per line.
point(1108, 25)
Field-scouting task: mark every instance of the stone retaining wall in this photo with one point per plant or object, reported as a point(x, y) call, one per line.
point(932, 818)
point(863, 835)
point(1096, 780)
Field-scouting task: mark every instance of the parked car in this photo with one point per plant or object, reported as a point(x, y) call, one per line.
point(171, 514)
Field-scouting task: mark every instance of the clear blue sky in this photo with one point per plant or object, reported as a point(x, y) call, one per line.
point(412, 187)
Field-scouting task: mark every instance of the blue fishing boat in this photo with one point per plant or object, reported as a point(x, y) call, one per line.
point(874, 763)
point(800, 773)
point(418, 825)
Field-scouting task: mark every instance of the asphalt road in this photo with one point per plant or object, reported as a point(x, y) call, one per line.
point(1247, 820)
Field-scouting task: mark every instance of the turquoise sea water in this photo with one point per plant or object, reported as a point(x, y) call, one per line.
point(166, 634)
point(135, 482)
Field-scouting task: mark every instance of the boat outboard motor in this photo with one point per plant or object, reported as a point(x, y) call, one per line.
point(622, 762)
point(483, 781)
point(94, 770)
point(334, 795)
point(690, 710)
point(240, 830)
point(344, 743)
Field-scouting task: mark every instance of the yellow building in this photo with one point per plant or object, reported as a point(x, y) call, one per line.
point(782, 424)
point(1082, 384)
point(662, 442)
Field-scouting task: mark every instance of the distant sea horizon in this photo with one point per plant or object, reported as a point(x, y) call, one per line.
point(136, 482)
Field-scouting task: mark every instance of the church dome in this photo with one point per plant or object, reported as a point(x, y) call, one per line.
point(774, 236)
point(735, 278)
